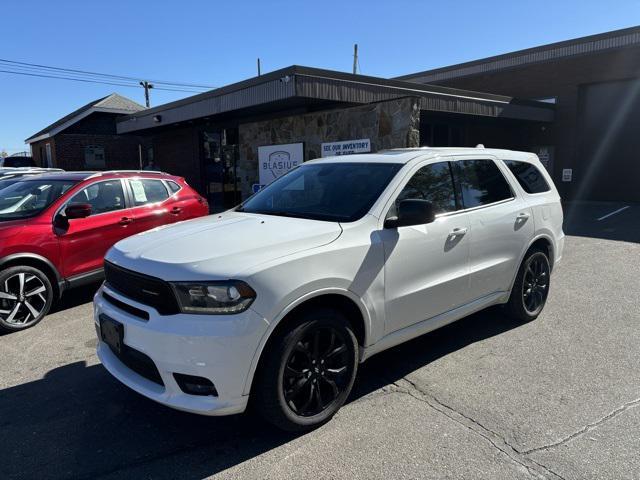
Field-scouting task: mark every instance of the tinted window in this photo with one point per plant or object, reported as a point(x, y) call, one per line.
point(102, 196)
point(148, 191)
point(432, 182)
point(173, 186)
point(481, 182)
point(22, 199)
point(337, 192)
point(529, 177)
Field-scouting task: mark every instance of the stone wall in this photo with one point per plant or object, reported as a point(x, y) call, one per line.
point(389, 124)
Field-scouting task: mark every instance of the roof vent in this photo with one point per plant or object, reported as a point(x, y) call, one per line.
point(480, 145)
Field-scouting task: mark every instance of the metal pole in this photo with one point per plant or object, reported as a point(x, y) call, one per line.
point(258, 67)
point(147, 86)
point(355, 57)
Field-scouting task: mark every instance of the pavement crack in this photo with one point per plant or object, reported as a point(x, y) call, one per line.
point(534, 468)
point(586, 428)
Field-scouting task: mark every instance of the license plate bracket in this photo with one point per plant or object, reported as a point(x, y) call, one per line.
point(112, 333)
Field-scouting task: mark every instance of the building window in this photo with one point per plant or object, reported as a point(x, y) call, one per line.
point(94, 157)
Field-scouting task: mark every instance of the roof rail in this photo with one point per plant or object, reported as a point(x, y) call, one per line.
point(143, 172)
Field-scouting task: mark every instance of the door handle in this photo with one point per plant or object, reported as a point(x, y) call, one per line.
point(125, 221)
point(176, 210)
point(459, 231)
point(523, 216)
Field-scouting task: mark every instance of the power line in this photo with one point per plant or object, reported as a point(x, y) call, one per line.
point(86, 80)
point(106, 75)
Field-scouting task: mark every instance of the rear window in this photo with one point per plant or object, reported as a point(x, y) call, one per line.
point(481, 182)
point(529, 177)
point(147, 191)
point(173, 186)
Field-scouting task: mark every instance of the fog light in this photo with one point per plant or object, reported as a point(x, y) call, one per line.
point(195, 385)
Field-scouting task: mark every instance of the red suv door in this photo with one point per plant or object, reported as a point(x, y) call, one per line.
point(86, 240)
point(151, 206)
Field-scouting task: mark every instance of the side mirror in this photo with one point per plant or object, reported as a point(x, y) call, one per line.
point(412, 212)
point(77, 210)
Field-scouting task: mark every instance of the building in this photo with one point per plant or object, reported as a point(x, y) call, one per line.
point(594, 84)
point(87, 139)
point(229, 141)
point(574, 103)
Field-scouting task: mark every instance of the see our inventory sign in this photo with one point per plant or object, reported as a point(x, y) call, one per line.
point(346, 147)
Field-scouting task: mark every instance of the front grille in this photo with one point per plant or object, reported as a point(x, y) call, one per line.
point(126, 307)
point(142, 288)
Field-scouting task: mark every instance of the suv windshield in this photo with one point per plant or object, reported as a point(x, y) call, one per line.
point(28, 198)
point(336, 192)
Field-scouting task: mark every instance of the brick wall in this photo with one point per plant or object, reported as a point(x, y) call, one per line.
point(176, 151)
point(39, 156)
point(121, 152)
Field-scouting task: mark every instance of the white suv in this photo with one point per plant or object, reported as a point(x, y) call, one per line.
point(279, 299)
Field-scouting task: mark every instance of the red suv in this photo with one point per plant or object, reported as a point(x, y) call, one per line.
point(55, 229)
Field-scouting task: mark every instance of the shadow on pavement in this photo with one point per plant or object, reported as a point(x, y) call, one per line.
point(581, 219)
point(76, 296)
point(78, 422)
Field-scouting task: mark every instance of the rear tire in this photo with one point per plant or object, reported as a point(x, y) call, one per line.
point(307, 372)
point(26, 296)
point(531, 288)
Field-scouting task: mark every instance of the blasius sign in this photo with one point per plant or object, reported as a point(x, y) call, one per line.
point(276, 160)
point(346, 148)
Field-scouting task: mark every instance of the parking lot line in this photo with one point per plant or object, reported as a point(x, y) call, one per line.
point(613, 213)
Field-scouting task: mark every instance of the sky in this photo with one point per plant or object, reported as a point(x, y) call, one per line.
point(217, 42)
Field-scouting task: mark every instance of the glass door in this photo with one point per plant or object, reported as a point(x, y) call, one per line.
point(219, 171)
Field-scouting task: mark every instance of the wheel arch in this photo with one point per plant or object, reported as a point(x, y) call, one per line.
point(39, 262)
point(543, 240)
point(343, 300)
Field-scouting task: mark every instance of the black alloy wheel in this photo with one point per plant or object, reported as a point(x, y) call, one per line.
point(316, 371)
point(531, 287)
point(535, 284)
point(307, 371)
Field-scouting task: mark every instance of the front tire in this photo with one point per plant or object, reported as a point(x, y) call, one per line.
point(308, 371)
point(531, 288)
point(26, 296)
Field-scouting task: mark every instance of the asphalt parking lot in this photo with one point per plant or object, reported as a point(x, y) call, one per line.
point(481, 398)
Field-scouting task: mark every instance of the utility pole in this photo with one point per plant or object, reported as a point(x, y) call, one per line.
point(147, 86)
point(355, 57)
point(258, 66)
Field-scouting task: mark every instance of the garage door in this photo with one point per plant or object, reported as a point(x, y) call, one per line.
point(608, 167)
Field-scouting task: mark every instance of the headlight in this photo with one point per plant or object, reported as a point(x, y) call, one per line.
point(218, 298)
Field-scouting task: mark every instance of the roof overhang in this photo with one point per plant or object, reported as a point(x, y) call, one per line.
point(71, 121)
point(592, 44)
point(313, 84)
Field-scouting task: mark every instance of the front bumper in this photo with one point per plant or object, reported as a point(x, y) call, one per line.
point(217, 347)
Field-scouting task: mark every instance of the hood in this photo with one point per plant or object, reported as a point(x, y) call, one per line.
point(219, 246)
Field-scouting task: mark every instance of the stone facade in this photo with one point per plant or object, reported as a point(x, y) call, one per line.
point(390, 124)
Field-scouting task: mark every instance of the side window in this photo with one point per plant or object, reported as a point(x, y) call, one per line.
point(433, 183)
point(481, 182)
point(173, 186)
point(147, 191)
point(529, 177)
point(102, 196)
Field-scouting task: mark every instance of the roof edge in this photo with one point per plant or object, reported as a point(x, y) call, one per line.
point(526, 51)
